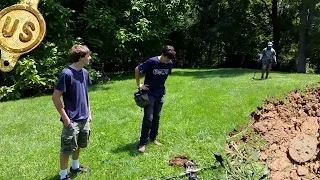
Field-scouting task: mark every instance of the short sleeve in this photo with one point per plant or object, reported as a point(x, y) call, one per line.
point(62, 82)
point(145, 66)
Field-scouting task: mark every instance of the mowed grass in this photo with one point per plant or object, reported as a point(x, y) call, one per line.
point(201, 108)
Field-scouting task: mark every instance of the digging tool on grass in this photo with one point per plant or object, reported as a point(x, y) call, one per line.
point(191, 171)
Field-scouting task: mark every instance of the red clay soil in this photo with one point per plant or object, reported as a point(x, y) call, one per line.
point(291, 130)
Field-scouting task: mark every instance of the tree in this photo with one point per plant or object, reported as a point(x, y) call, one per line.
point(275, 22)
point(306, 16)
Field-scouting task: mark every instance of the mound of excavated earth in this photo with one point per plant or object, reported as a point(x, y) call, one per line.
point(291, 130)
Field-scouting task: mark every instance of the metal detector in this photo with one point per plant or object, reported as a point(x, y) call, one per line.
point(191, 171)
point(256, 70)
point(254, 75)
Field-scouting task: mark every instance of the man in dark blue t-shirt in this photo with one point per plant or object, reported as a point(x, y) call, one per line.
point(75, 112)
point(156, 70)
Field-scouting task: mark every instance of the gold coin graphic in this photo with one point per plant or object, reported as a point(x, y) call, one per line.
point(22, 28)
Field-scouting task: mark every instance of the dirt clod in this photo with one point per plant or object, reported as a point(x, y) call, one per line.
point(178, 161)
point(302, 170)
point(303, 148)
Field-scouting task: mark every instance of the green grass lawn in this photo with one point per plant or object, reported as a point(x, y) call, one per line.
point(201, 108)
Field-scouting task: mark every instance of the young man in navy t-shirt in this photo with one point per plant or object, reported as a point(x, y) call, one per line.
point(75, 111)
point(156, 70)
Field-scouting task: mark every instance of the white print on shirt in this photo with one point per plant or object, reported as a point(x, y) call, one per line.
point(160, 71)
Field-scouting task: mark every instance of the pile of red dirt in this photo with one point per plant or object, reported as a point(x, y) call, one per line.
point(291, 129)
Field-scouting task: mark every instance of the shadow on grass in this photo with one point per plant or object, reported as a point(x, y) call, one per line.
point(197, 73)
point(57, 177)
point(257, 79)
point(212, 73)
point(131, 148)
point(122, 76)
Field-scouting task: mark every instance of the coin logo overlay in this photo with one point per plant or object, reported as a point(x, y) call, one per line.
point(22, 28)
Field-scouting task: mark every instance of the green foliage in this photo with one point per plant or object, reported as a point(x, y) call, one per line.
point(26, 80)
point(27, 75)
point(219, 33)
point(8, 93)
point(127, 32)
point(243, 156)
point(241, 167)
point(7, 3)
point(314, 39)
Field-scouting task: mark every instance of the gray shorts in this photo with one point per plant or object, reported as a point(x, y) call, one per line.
point(74, 136)
point(266, 64)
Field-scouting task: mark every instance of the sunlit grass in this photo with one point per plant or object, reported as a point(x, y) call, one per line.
point(201, 108)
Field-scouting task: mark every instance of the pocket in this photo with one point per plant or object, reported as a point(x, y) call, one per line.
point(66, 139)
point(68, 130)
point(66, 143)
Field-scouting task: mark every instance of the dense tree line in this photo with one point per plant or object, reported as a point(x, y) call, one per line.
point(206, 34)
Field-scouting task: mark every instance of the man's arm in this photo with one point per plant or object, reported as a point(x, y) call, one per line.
point(89, 109)
point(261, 54)
point(137, 76)
point(58, 104)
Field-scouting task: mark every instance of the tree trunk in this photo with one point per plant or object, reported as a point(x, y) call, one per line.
point(302, 39)
point(306, 16)
point(275, 29)
point(209, 55)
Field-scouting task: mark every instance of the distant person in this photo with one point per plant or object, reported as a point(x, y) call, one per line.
point(268, 58)
point(156, 70)
point(75, 111)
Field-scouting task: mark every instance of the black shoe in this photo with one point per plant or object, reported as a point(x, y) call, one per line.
point(81, 169)
point(66, 178)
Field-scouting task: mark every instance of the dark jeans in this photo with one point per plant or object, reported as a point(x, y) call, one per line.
point(150, 122)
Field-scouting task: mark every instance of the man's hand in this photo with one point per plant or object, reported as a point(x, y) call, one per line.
point(144, 87)
point(89, 117)
point(66, 122)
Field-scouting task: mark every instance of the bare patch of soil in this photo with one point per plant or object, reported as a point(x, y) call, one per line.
point(290, 128)
point(178, 161)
